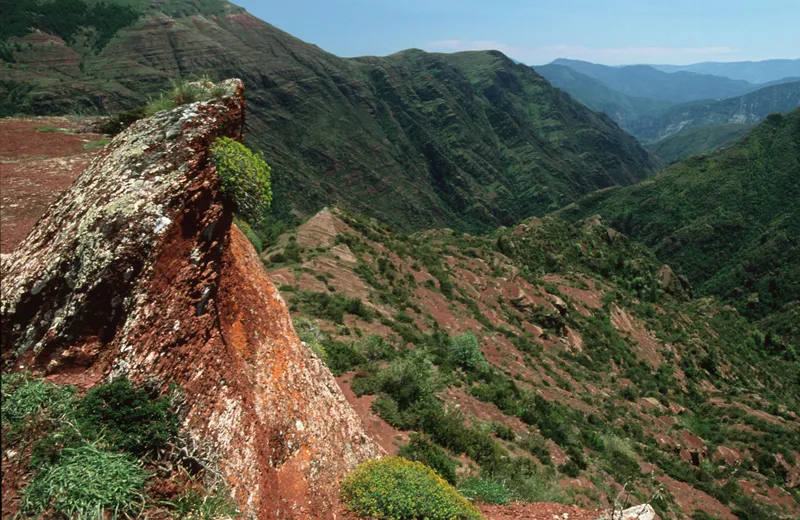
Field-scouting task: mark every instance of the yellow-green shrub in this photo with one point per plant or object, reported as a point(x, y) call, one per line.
point(244, 178)
point(394, 488)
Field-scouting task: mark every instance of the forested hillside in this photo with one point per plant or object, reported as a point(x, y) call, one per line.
point(729, 221)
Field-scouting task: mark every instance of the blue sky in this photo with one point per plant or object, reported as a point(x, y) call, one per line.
point(535, 32)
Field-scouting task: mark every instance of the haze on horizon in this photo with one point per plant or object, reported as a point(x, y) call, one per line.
point(612, 32)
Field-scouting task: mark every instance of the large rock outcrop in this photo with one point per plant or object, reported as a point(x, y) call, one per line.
point(138, 269)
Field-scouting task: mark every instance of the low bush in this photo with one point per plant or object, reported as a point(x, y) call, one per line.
point(465, 350)
point(503, 432)
point(422, 450)
point(342, 357)
point(129, 417)
point(394, 488)
point(332, 307)
point(309, 333)
point(536, 445)
point(251, 235)
point(408, 380)
point(374, 348)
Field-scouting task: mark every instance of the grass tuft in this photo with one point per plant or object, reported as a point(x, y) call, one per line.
point(85, 482)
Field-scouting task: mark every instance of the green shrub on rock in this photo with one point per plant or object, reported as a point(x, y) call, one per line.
point(244, 178)
point(394, 488)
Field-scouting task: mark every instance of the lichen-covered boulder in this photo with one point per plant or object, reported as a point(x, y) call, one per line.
point(137, 269)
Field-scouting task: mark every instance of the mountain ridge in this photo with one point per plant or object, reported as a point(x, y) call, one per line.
point(649, 82)
point(758, 72)
point(468, 140)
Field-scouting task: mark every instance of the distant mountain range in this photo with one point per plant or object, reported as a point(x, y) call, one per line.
point(649, 82)
point(622, 108)
point(753, 71)
point(644, 101)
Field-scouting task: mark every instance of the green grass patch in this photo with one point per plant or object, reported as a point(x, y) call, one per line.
point(85, 482)
point(94, 145)
point(54, 129)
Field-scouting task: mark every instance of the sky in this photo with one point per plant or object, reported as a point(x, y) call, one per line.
point(613, 32)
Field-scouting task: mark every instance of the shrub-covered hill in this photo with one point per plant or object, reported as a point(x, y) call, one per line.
point(729, 221)
point(469, 140)
point(700, 140)
point(548, 362)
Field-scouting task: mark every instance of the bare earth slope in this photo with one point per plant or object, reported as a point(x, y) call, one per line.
point(39, 159)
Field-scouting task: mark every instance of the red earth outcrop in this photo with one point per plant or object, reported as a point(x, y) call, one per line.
point(139, 270)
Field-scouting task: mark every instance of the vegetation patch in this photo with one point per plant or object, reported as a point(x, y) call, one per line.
point(93, 456)
point(394, 488)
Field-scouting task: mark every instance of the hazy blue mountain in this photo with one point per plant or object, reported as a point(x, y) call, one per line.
point(595, 94)
point(753, 71)
point(649, 82)
point(748, 109)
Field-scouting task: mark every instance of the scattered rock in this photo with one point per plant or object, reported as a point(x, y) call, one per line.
point(640, 512)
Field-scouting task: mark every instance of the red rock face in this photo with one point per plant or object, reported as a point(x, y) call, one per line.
point(138, 270)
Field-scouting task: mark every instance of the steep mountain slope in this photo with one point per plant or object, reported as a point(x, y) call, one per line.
point(729, 221)
point(137, 271)
point(753, 71)
point(646, 81)
point(748, 109)
point(553, 362)
point(699, 140)
point(469, 140)
point(593, 93)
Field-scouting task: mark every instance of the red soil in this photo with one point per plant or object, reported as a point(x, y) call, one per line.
point(35, 168)
point(538, 511)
